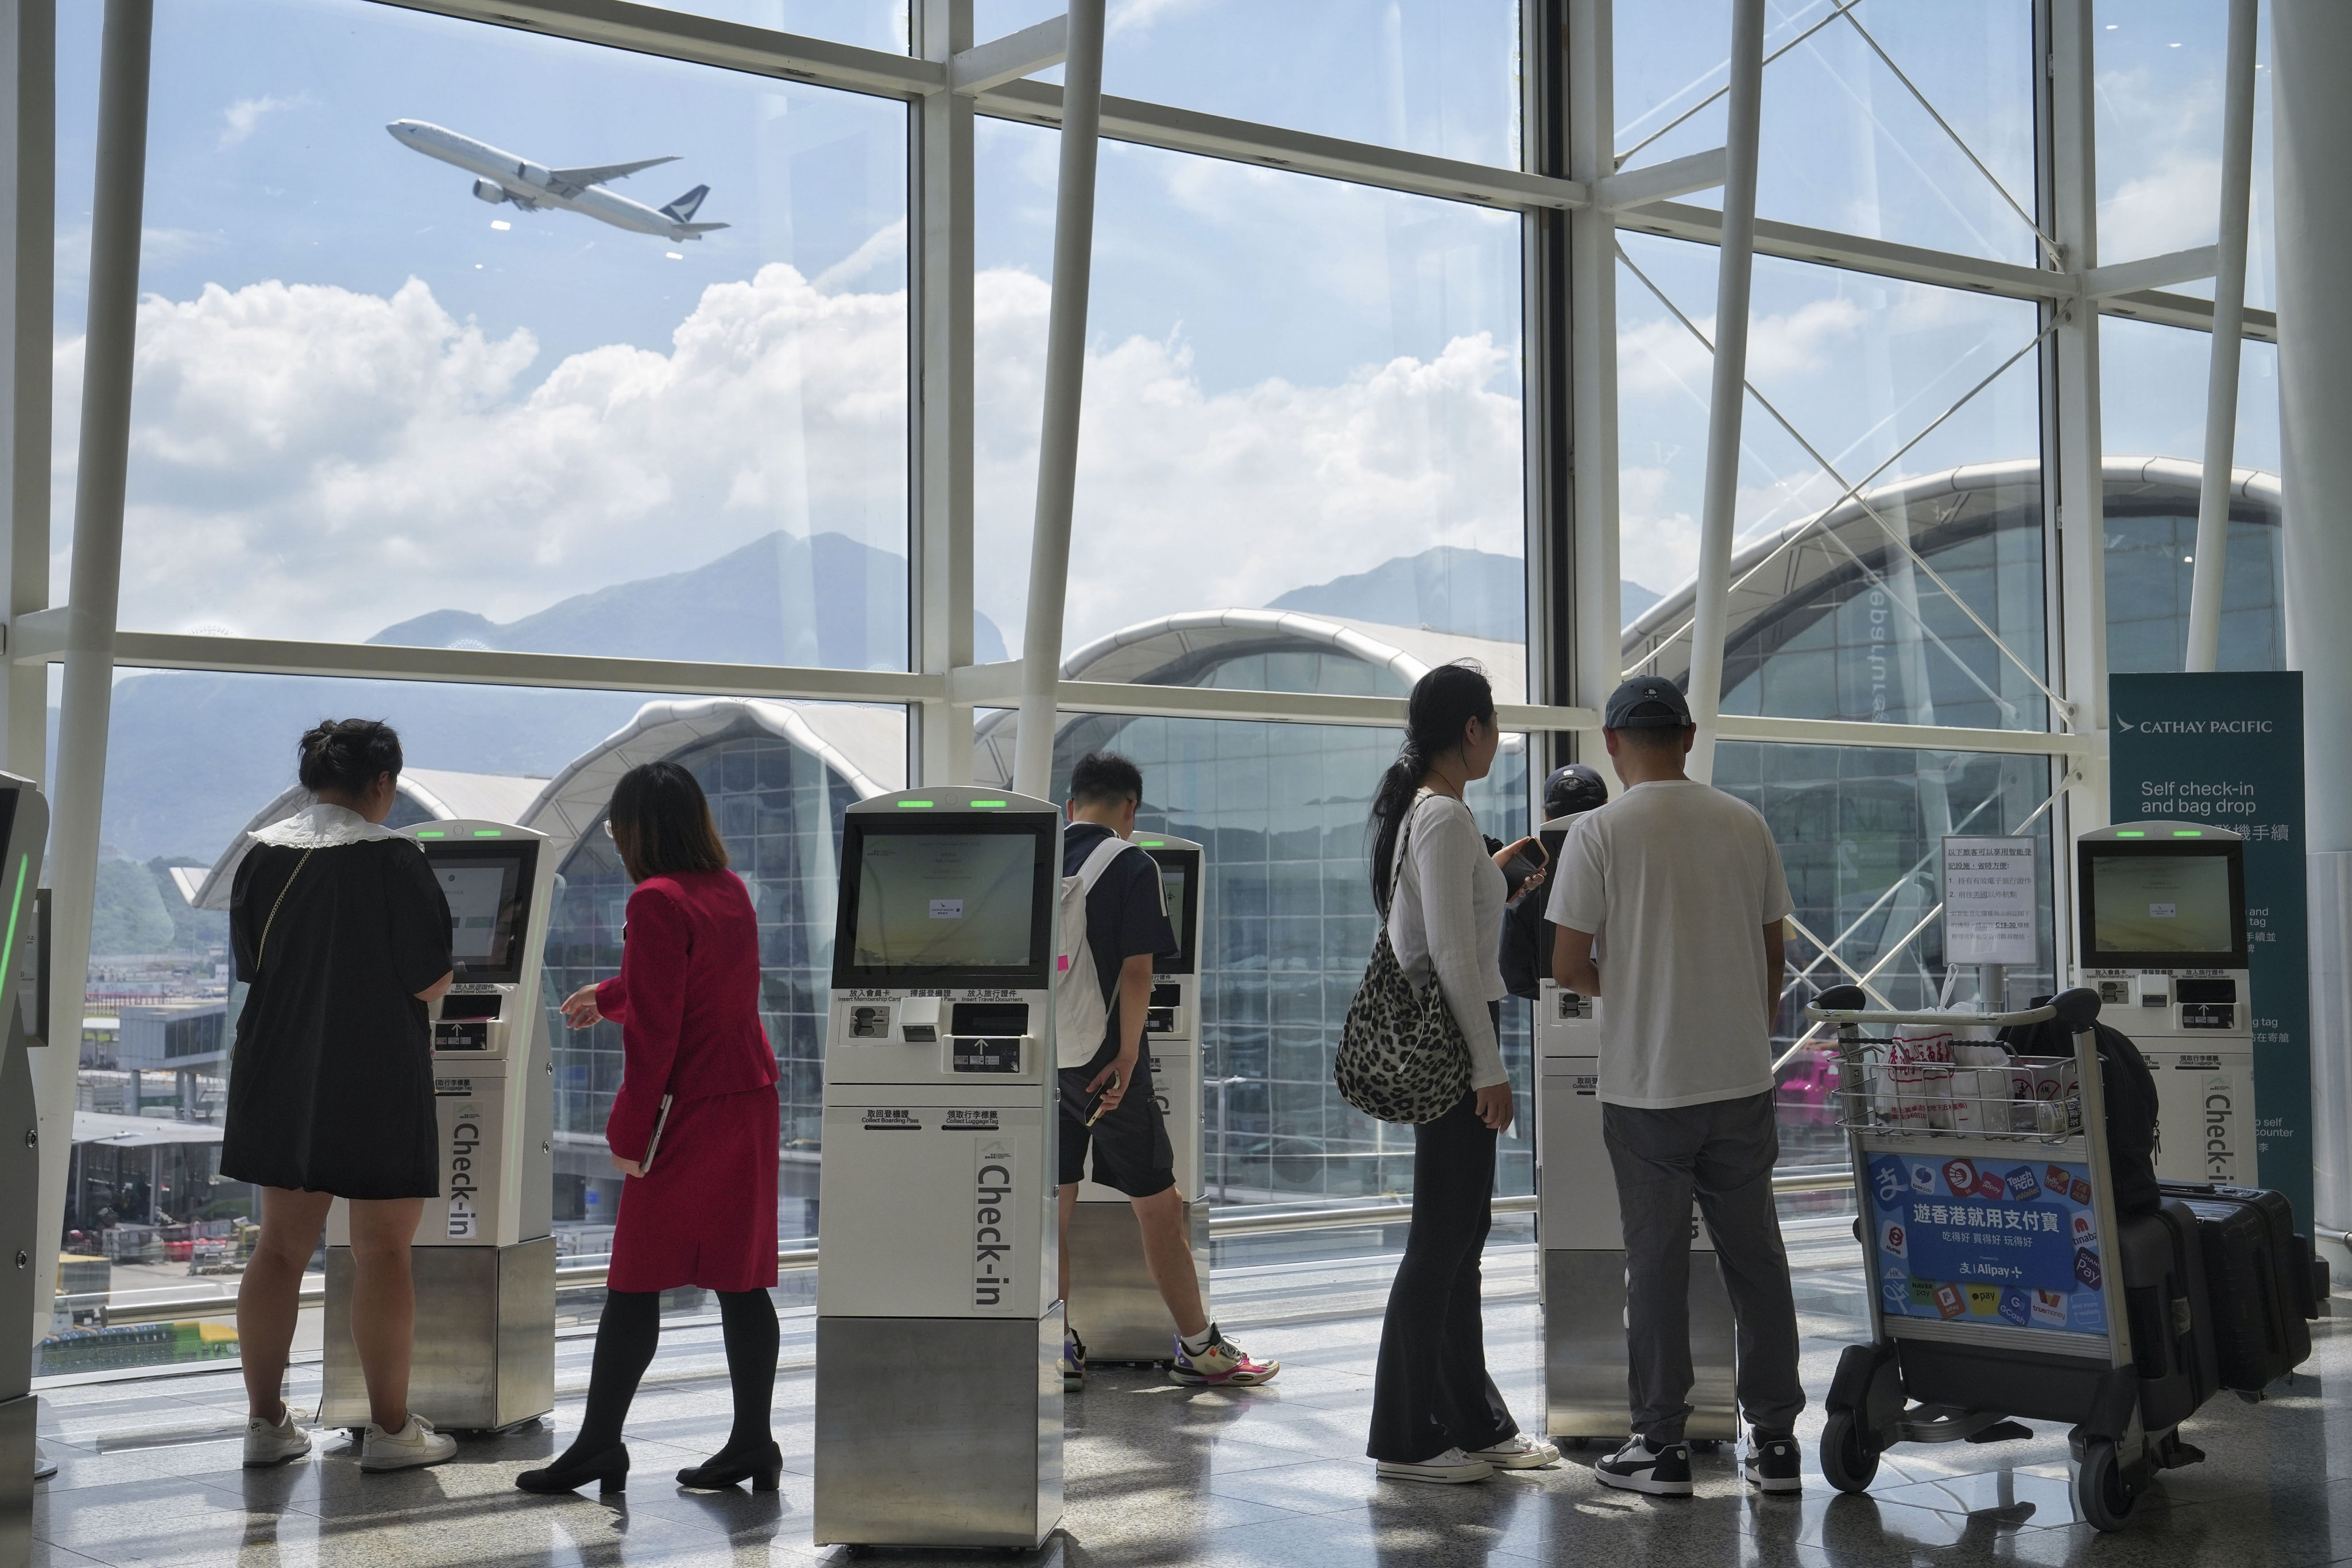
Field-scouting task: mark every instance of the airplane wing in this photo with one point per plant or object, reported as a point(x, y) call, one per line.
point(605, 171)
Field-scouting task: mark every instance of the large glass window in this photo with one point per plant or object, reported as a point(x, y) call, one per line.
point(1910, 122)
point(1341, 435)
point(2162, 79)
point(2152, 415)
point(195, 757)
point(1889, 478)
point(778, 777)
point(419, 315)
point(1860, 833)
point(1427, 76)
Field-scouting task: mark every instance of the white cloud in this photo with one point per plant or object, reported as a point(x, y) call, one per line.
point(313, 461)
point(1138, 16)
point(1191, 500)
point(1660, 355)
point(241, 118)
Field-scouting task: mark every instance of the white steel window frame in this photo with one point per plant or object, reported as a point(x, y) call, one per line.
point(1570, 192)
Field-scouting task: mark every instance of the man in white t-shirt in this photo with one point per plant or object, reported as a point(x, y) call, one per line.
point(1669, 902)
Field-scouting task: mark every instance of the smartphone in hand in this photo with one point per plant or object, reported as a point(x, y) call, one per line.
point(1094, 1106)
point(1521, 867)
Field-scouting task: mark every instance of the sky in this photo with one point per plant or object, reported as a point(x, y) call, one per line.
point(359, 399)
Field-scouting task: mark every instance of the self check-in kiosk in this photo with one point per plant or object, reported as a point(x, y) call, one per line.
point(2164, 942)
point(939, 1385)
point(1583, 1278)
point(1114, 1306)
point(23, 828)
point(483, 1256)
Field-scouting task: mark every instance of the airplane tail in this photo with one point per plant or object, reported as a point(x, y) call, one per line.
point(695, 231)
point(683, 209)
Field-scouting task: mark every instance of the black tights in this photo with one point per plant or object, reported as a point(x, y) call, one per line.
point(625, 1336)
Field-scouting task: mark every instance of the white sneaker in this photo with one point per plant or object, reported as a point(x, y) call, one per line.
point(1518, 1452)
point(414, 1444)
point(1451, 1466)
point(266, 1445)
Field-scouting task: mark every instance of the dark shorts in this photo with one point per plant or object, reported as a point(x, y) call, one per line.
point(1130, 1145)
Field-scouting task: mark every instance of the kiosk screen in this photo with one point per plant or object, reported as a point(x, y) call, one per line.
point(1180, 887)
point(945, 902)
point(488, 892)
point(2164, 905)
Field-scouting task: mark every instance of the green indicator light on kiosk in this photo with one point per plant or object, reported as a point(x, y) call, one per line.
point(979, 802)
point(489, 832)
point(2130, 833)
point(914, 805)
point(1153, 843)
point(15, 903)
point(2188, 832)
point(431, 833)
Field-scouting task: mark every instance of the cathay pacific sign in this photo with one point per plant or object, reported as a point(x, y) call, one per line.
point(2228, 749)
point(2196, 726)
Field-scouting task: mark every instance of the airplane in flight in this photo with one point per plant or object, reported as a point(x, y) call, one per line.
point(531, 186)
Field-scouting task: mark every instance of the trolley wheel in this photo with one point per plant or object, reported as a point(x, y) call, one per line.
point(2102, 1496)
point(1847, 1463)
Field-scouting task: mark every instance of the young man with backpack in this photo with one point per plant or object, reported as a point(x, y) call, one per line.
point(1106, 1100)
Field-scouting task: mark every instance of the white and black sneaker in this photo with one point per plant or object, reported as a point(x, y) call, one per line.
point(1773, 1464)
point(1662, 1472)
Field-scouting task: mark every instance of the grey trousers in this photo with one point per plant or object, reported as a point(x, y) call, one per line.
point(1722, 1153)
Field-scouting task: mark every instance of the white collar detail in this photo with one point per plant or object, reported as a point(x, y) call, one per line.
point(321, 826)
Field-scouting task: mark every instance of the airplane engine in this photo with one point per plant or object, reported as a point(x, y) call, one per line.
point(490, 191)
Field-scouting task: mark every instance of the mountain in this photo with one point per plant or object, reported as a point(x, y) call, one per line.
point(1471, 594)
point(779, 600)
point(193, 755)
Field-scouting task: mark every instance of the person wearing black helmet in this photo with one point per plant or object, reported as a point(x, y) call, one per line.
point(1570, 791)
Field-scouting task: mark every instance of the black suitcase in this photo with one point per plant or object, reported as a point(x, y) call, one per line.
point(2161, 1256)
point(2257, 1281)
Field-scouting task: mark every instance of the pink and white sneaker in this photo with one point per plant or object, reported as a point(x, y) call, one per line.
point(1222, 1361)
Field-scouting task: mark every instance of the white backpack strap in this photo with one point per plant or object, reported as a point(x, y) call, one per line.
point(1109, 850)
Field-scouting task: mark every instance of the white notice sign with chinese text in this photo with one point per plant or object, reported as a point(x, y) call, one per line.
point(1993, 909)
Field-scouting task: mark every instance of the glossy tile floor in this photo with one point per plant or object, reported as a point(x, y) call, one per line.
point(1162, 1474)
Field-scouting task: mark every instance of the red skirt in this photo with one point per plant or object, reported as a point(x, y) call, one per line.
point(706, 1215)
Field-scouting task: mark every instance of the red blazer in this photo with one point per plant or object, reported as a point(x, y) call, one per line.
point(686, 999)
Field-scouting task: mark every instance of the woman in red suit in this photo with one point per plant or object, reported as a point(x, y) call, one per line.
point(693, 1131)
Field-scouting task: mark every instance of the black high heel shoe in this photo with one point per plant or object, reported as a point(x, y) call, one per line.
point(761, 1466)
point(610, 1470)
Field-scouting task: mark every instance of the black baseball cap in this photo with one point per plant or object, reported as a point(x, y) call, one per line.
point(1647, 702)
point(1571, 788)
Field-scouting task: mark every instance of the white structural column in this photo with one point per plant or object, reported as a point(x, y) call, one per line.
point(2077, 498)
point(2311, 56)
point(1066, 371)
point(28, 246)
point(1727, 398)
point(28, 47)
point(1592, 358)
point(2229, 319)
point(940, 193)
point(116, 205)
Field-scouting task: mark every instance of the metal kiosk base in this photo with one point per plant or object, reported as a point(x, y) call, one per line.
point(485, 1356)
point(1114, 1304)
point(915, 1446)
point(1585, 1392)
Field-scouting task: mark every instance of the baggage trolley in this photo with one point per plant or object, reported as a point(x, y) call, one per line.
point(1998, 1271)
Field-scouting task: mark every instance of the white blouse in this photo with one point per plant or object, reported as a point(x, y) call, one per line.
point(1446, 916)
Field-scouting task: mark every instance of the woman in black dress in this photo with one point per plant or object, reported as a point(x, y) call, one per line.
point(343, 936)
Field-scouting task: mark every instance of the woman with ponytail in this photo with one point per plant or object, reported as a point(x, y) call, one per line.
point(1437, 1416)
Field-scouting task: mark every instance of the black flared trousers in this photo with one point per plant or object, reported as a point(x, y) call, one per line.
point(1431, 1392)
